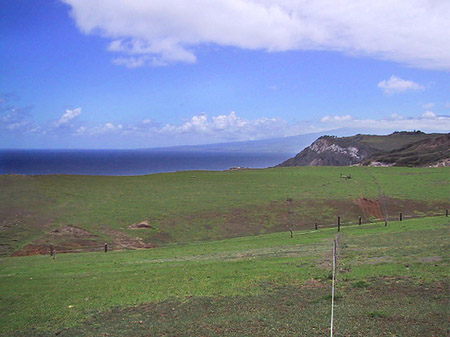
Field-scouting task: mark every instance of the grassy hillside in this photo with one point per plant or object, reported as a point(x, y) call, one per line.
point(391, 281)
point(393, 141)
point(421, 153)
point(83, 212)
point(397, 149)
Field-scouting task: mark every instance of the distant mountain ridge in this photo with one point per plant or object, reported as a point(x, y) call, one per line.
point(397, 149)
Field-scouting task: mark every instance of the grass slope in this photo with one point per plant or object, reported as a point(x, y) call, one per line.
point(391, 281)
point(83, 212)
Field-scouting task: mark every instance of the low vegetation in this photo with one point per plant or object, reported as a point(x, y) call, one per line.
point(391, 281)
point(81, 213)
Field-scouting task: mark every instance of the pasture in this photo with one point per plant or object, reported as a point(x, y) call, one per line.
point(81, 213)
point(391, 281)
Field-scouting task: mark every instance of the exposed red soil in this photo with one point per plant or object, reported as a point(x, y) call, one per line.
point(370, 208)
point(74, 239)
point(124, 241)
point(219, 224)
point(65, 239)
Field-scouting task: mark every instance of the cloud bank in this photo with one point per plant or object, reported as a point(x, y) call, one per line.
point(70, 129)
point(160, 32)
point(428, 121)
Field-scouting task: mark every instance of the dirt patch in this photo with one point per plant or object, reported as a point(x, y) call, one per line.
point(123, 241)
point(71, 231)
point(64, 240)
point(430, 259)
point(267, 218)
point(370, 208)
point(141, 225)
point(32, 249)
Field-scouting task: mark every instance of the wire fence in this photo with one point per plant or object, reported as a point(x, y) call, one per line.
point(400, 217)
point(340, 222)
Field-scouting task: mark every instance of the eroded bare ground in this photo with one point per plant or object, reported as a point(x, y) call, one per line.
point(382, 307)
point(212, 225)
point(65, 239)
point(75, 239)
point(121, 240)
point(370, 208)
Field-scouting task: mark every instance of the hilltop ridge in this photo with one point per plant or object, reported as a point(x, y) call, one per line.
point(401, 148)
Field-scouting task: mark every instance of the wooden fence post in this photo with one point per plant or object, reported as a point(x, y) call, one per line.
point(106, 247)
point(359, 220)
point(401, 216)
point(339, 223)
point(315, 226)
point(446, 212)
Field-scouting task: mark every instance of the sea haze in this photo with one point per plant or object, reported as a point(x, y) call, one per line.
point(129, 162)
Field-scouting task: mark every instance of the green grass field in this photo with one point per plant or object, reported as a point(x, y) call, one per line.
point(221, 261)
point(76, 213)
point(392, 281)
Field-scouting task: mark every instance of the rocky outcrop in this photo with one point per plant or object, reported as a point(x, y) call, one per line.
point(327, 151)
point(397, 149)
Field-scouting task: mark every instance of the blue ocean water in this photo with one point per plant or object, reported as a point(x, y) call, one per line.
point(128, 162)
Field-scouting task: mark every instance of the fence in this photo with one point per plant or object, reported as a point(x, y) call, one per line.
point(52, 250)
point(401, 216)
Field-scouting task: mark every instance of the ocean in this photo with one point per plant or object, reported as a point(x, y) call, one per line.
point(128, 162)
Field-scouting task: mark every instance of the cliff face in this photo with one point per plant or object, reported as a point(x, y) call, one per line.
point(397, 149)
point(328, 151)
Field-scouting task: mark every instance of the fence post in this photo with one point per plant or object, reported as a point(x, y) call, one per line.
point(339, 223)
point(401, 216)
point(446, 212)
point(106, 247)
point(385, 222)
point(359, 220)
point(51, 250)
point(315, 226)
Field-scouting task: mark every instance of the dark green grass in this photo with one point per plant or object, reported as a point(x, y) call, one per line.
point(267, 285)
point(201, 205)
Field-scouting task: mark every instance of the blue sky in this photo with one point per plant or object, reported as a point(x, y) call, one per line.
point(137, 74)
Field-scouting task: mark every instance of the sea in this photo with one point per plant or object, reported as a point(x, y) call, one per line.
point(129, 162)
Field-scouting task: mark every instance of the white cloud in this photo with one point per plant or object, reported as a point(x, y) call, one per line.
point(396, 85)
point(428, 105)
point(429, 114)
point(429, 121)
point(100, 129)
point(202, 129)
point(338, 119)
point(413, 32)
point(231, 127)
point(67, 117)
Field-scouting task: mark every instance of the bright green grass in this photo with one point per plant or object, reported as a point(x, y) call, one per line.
point(206, 205)
point(37, 292)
